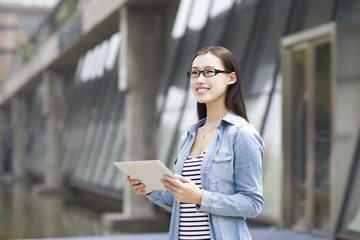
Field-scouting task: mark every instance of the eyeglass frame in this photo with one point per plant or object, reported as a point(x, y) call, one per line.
point(188, 73)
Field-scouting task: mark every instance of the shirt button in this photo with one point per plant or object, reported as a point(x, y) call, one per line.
point(156, 195)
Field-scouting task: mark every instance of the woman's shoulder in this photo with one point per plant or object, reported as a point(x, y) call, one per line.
point(237, 122)
point(238, 127)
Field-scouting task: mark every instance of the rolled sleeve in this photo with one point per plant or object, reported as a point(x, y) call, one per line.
point(162, 198)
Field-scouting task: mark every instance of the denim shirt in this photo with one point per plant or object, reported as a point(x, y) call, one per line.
point(231, 176)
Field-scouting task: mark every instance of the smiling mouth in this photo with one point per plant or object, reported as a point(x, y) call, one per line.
point(201, 90)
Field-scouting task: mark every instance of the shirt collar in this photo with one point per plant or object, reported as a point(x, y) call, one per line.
point(230, 118)
point(193, 128)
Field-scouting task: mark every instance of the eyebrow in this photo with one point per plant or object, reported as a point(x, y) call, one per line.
point(206, 67)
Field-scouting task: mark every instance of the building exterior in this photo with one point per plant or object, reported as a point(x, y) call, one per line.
point(300, 74)
point(18, 23)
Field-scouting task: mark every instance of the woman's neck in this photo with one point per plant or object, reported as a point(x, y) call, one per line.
point(215, 112)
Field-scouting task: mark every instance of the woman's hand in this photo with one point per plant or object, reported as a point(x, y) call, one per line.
point(183, 189)
point(138, 187)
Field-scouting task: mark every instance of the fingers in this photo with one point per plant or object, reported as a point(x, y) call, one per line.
point(183, 189)
point(183, 179)
point(137, 186)
point(171, 183)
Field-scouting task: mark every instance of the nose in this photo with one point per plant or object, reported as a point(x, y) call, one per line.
point(201, 78)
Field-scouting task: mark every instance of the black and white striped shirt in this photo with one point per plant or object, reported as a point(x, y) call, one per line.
point(193, 224)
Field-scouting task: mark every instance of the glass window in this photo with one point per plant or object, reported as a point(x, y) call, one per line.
point(112, 175)
point(173, 54)
point(348, 11)
point(322, 135)
point(260, 62)
point(94, 135)
point(349, 220)
point(318, 12)
point(112, 148)
point(190, 113)
point(239, 29)
point(84, 124)
point(272, 160)
point(199, 14)
point(181, 20)
point(72, 133)
point(29, 24)
point(169, 121)
point(107, 91)
point(177, 92)
point(106, 104)
point(299, 149)
point(217, 23)
point(353, 226)
point(256, 105)
point(35, 147)
point(309, 13)
point(95, 105)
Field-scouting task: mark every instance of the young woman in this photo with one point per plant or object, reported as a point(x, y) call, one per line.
point(219, 181)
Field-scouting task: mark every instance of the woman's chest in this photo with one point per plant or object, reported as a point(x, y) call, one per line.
point(202, 144)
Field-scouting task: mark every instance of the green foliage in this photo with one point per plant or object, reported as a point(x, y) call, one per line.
point(28, 46)
point(66, 9)
point(28, 50)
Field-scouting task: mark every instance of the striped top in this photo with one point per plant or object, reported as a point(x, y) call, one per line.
point(193, 224)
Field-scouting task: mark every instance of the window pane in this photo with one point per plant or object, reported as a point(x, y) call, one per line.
point(318, 12)
point(261, 60)
point(272, 160)
point(348, 11)
point(255, 107)
point(239, 28)
point(309, 13)
point(299, 138)
point(322, 136)
point(177, 93)
point(217, 23)
point(35, 147)
point(354, 223)
point(350, 221)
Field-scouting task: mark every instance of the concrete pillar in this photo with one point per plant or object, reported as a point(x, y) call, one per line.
point(53, 111)
point(144, 37)
point(18, 123)
point(143, 67)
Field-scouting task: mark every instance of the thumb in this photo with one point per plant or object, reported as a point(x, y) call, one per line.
point(183, 179)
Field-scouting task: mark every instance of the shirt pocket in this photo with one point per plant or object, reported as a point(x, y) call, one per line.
point(219, 168)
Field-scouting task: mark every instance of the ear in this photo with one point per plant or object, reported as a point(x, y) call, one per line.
point(232, 78)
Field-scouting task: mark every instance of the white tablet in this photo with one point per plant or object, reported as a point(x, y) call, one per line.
point(149, 172)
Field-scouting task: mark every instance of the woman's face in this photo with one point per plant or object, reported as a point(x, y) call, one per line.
point(210, 89)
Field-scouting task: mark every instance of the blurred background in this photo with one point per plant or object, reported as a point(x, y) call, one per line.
point(85, 83)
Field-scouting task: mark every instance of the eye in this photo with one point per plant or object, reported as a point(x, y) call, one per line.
point(194, 73)
point(209, 72)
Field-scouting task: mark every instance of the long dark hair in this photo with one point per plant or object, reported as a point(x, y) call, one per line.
point(234, 99)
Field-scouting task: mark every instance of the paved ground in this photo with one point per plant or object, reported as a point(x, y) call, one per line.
point(266, 233)
point(261, 233)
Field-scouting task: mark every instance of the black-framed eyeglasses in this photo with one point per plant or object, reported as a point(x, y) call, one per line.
point(206, 73)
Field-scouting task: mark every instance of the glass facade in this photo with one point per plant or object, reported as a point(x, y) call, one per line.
point(251, 29)
point(35, 147)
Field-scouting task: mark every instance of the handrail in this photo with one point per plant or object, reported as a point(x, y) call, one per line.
point(61, 13)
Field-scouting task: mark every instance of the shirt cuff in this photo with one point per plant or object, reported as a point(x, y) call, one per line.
point(206, 202)
point(154, 195)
